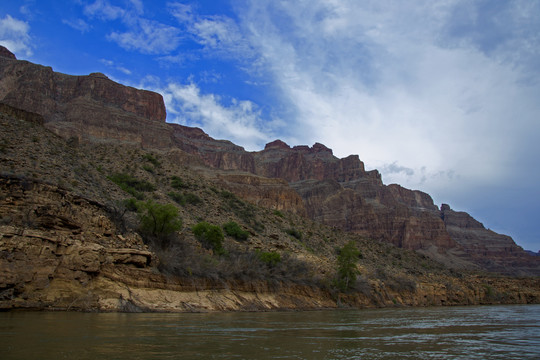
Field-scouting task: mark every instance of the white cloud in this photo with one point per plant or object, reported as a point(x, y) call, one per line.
point(104, 10)
point(182, 12)
point(238, 121)
point(148, 37)
point(218, 34)
point(115, 66)
point(124, 70)
point(378, 78)
point(77, 24)
point(221, 33)
point(14, 35)
point(138, 6)
point(143, 35)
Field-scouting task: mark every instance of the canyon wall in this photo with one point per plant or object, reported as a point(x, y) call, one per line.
point(305, 180)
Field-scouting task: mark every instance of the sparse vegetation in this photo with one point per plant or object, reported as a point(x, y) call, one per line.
point(244, 211)
point(148, 168)
point(132, 185)
point(150, 158)
point(177, 183)
point(231, 228)
point(256, 245)
point(270, 258)
point(185, 198)
point(192, 199)
point(177, 197)
point(210, 236)
point(295, 233)
point(131, 204)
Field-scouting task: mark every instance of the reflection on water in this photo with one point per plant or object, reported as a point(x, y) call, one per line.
point(490, 332)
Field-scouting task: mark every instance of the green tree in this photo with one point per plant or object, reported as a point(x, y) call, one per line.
point(159, 219)
point(211, 236)
point(347, 271)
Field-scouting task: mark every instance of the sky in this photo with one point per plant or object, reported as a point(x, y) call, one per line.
point(441, 96)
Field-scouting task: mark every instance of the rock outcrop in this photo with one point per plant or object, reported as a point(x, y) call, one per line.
point(6, 53)
point(90, 107)
point(278, 160)
point(341, 193)
point(492, 251)
point(63, 252)
point(220, 154)
point(304, 180)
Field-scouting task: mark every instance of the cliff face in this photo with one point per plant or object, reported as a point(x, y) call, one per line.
point(71, 256)
point(278, 160)
point(340, 193)
point(86, 107)
point(304, 180)
point(220, 154)
point(491, 250)
point(62, 251)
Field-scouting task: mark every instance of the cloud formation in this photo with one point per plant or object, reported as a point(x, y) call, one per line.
point(14, 35)
point(239, 121)
point(401, 84)
point(115, 66)
point(219, 35)
point(77, 24)
point(103, 10)
point(143, 35)
point(148, 37)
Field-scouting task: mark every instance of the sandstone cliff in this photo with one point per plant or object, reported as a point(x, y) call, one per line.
point(89, 107)
point(66, 242)
point(61, 251)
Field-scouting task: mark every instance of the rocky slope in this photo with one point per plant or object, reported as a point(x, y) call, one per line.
point(68, 241)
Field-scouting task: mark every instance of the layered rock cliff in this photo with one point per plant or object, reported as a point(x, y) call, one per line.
point(90, 107)
point(304, 180)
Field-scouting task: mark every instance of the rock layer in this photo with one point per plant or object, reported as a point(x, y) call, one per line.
point(89, 107)
point(301, 179)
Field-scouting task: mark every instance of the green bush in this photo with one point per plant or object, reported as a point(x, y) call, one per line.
point(244, 211)
point(228, 195)
point(192, 199)
point(270, 258)
point(210, 236)
point(131, 204)
point(131, 184)
point(278, 213)
point(294, 233)
point(150, 158)
point(185, 198)
point(177, 197)
point(159, 219)
point(148, 168)
point(233, 229)
point(177, 183)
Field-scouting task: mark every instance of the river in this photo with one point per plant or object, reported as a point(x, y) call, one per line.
point(475, 332)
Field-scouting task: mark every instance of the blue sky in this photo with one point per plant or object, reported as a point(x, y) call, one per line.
point(439, 96)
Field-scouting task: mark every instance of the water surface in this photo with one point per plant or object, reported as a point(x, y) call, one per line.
point(479, 332)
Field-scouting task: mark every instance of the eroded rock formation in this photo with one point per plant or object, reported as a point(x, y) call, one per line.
point(90, 107)
point(302, 179)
